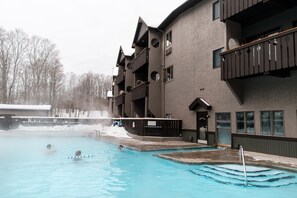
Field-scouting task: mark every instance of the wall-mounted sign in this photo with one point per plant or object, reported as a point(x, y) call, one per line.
point(151, 123)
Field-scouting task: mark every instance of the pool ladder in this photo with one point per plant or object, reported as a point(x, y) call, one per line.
point(241, 155)
point(97, 132)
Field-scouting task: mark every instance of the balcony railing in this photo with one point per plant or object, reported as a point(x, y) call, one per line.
point(230, 8)
point(153, 127)
point(120, 99)
point(274, 54)
point(120, 78)
point(140, 60)
point(140, 91)
point(251, 11)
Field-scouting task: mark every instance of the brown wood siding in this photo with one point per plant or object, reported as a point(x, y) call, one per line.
point(271, 54)
point(266, 144)
point(120, 99)
point(120, 78)
point(139, 92)
point(230, 8)
point(163, 128)
point(140, 60)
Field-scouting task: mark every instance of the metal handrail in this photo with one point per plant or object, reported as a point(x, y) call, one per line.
point(243, 163)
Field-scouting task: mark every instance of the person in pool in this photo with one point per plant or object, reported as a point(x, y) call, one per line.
point(78, 154)
point(50, 149)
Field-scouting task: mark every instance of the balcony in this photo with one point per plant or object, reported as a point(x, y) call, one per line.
point(251, 11)
point(120, 78)
point(140, 60)
point(120, 99)
point(140, 91)
point(273, 55)
point(230, 8)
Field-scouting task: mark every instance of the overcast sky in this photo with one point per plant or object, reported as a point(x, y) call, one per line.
point(88, 33)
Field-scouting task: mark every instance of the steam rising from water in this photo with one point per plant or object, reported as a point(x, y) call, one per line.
point(75, 130)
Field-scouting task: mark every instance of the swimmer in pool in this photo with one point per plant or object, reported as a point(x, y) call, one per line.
point(50, 149)
point(78, 153)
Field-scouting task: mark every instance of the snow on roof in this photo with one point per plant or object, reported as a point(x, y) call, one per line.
point(109, 94)
point(115, 71)
point(25, 107)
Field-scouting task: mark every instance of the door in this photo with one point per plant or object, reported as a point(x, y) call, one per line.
point(202, 126)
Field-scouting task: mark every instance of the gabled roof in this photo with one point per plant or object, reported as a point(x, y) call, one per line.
point(201, 102)
point(121, 56)
point(141, 29)
point(178, 11)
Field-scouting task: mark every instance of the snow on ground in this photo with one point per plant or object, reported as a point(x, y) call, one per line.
point(74, 130)
point(82, 114)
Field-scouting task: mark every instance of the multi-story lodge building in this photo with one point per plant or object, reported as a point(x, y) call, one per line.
point(226, 68)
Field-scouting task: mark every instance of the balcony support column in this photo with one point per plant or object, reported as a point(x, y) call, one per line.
point(146, 107)
point(235, 85)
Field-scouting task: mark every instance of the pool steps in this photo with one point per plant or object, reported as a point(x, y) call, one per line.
point(256, 177)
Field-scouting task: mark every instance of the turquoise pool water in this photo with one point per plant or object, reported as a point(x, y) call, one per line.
point(27, 170)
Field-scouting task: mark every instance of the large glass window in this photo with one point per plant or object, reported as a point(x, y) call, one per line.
point(223, 125)
point(272, 123)
point(278, 123)
point(217, 58)
point(245, 122)
point(250, 122)
point(266, 123)
point(216, 10)
point(240, 122)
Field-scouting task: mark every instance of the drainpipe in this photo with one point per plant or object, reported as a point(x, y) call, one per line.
point(162, 74)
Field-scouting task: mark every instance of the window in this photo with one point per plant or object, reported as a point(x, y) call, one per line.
point(223, 125)
point(155, 43)
point(169, 73)
point(155, 76)
point(168, 38)
point(216, 10)
point(272, 123)
point(217, 58)
point(245, 122)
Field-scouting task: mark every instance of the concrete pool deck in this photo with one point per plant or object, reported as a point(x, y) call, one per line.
point(199, 157)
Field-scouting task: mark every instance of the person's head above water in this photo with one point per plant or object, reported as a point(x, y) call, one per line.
point(49, 146)
point(78, 153)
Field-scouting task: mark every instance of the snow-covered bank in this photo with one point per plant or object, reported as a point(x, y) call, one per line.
point(74, 130)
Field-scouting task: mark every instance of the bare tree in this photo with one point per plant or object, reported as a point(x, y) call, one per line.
point(43, 61)
point(13, 46)
point(31, 73)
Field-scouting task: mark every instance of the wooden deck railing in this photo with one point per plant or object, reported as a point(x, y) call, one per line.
point(140, 60)
point(231, 7)
point(153, 127)
point(120, 78)
point(275, 53)
point(120, 99)
point(140, 91)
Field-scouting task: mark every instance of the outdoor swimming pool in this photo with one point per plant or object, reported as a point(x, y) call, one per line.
point(26, 170)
